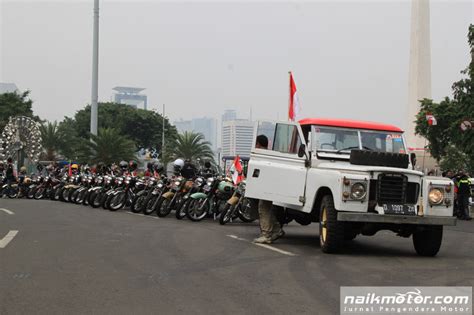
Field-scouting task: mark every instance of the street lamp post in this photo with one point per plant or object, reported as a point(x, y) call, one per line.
point(95, 69)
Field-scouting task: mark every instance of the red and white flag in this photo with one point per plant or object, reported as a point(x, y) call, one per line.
point(236, 170)
point(294, 106)
point(431, 119)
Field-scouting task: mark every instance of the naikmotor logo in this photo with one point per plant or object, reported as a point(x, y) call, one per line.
point(406, 300)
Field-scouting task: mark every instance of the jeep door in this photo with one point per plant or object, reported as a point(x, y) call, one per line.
point(277, 173)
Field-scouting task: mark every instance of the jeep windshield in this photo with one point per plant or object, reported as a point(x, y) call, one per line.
point(342, 140)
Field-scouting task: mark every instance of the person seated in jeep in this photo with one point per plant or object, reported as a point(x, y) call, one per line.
point(270, 228)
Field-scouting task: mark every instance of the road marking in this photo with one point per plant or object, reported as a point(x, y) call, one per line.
point(7, 239)
point(284, 252)
point(7, 211)
point(237, 238)
point(142, 215)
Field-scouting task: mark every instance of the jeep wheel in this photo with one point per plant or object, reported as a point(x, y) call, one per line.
point(427, 240)
point(331, 232)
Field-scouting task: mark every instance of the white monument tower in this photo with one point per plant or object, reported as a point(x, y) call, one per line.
point(419, 83)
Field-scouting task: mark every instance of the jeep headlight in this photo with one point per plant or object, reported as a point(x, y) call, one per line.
point(358, 191)
point(436, 196)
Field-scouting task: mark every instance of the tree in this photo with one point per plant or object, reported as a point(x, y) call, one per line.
point(453, 148)
point(15, 104)
point(190, 145)
point(51, 140)
point(108, 146)
point(141, 126)
point(70, 140)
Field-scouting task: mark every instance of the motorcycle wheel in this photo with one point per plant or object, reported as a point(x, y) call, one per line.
point(31, 192)
point(245, 213)
point(57, 194)
point(138, 203)
point(181, 210)
point(118, 201)
point(163, 208)
point(52, 193)
point(106, 203)
point(70, 196)
point(149, 203)
point(80, 196)
point(85, 202)
point(74, 195)
point(39, 194)
point(226, 214)
point(65, 194)
point(94, 199)
point(13, 193)
point(197, 209)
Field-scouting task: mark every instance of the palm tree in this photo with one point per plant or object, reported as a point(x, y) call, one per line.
point(51, 139)
point(191, 145)
point(108, 146)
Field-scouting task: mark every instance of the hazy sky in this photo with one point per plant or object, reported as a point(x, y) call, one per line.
point(349, 59)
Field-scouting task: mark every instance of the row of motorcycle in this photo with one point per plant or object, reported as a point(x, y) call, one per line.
point(202, 197)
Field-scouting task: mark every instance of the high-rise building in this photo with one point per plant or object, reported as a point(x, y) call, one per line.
point(237, 138)
point(130, 96)
point(183, 125)
point(229, 114)
point(204, 125)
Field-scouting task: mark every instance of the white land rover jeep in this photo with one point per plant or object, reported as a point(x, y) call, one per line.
point(353, 178)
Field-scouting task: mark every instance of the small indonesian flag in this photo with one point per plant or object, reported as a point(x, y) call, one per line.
point(70, 169)
point(431, 119)
point(294, 106)
point(236, 170)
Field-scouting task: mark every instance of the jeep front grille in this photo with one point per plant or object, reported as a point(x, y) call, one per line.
point(392, 189)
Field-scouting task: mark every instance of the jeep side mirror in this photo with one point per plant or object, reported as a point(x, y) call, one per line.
point(302, 151)
point(413, 159)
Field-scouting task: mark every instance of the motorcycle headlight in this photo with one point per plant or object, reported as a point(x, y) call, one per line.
point(358, 191)
point(436, 196)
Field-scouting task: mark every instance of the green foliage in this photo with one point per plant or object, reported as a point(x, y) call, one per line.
point(453, 148)
point(15, 104)
point(190, 145)
point(108, 146)
point(51, 140)
point(143, 127)
point(69, 139)
point(456, 160)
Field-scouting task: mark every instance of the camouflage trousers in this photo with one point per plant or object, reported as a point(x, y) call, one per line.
point(269, 224)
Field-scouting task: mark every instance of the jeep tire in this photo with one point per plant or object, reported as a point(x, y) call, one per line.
point(331, 231)
point(427, 240)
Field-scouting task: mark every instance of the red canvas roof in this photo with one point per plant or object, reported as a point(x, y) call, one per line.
point(347, 123)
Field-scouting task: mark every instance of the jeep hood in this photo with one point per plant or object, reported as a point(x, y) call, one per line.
point(367, 168)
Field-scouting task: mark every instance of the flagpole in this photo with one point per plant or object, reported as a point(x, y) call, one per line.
point(163, 139)
point(289, 95)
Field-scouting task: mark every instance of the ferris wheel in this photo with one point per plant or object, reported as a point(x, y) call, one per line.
point(21, 134)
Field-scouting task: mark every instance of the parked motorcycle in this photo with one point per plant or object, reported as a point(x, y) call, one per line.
point(211, 200)
point(123, 196)
point(238, 207)
point(173, 198)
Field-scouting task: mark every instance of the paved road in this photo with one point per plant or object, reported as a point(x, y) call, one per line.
point(69, 259)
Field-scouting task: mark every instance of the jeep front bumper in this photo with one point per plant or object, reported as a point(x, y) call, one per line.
point(396, 219)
